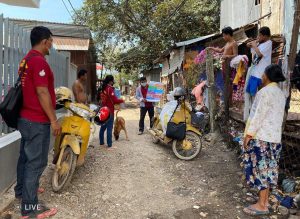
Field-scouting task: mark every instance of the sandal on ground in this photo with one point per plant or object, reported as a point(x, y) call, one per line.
point(44, 212)
point(254, 212)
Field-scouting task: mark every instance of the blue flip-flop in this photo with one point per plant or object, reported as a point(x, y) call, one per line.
point(254, 212)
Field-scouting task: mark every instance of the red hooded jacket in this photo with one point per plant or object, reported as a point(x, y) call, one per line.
point(109, 98)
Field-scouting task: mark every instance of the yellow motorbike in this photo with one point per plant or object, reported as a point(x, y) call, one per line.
point(71, 145)
point(188, 148)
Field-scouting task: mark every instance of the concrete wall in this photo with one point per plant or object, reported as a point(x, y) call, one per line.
point(9, 151)
point(9, 154)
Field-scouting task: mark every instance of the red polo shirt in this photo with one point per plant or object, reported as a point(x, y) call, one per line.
point(37, 74)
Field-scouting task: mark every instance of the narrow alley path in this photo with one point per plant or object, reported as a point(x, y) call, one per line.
point(142, 180)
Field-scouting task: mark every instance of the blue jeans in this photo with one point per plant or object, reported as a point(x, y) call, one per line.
point(109, 127)
point(32, 162)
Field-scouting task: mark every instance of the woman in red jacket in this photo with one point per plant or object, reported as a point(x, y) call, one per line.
point(108, 99)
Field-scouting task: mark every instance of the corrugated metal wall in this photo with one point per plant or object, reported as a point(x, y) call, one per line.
point(14, 44)
point(238, 13)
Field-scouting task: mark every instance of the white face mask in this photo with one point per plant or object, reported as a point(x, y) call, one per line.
point(144, 84)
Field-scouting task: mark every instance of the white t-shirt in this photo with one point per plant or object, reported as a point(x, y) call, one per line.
point(265, 49)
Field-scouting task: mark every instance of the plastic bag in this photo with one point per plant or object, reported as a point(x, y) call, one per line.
point(166, 114)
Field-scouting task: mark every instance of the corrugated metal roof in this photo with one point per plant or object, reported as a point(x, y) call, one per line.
point(189, 42)
point(57, 29)
point(239, 35)
point(70, 43)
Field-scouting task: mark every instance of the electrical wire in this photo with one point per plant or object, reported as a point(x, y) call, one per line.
point(174, 13)
point(67, 9)
point(73, 8)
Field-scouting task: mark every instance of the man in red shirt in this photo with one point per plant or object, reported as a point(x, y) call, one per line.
point(141, 94)
point(36, 117)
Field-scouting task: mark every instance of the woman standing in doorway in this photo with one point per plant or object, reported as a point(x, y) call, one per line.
point(108, 99)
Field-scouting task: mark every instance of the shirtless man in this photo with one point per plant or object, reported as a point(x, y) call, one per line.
point(230, 50)
point(78, 87)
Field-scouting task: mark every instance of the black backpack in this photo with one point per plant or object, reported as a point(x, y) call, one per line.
point(13, 102)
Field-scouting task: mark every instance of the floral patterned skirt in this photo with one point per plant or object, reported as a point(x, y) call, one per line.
point(261, 164)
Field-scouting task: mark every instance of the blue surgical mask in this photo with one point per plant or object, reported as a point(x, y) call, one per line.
point(144, 84)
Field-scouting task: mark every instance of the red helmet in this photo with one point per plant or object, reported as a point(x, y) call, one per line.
point(102, 116)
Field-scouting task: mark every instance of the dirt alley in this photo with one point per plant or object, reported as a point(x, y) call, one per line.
point(142, 180)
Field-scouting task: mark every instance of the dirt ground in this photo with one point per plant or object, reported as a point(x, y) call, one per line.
point(142, 180)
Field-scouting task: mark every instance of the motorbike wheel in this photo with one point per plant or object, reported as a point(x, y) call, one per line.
point(61, 178)
point(184, 154)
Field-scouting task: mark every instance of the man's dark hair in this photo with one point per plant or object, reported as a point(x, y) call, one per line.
point(274, 73)
point(143, 79)
point(38, 34)
point(265, 31)
point(81, 72)
point(227, 31)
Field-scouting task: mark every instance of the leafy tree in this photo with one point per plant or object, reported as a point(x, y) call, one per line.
point(130, 34)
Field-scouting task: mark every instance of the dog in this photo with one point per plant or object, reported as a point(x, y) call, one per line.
point(119, 125)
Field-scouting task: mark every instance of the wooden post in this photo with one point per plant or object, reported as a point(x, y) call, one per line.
point(294, 39)
point(227, 88)
point(293, 50)
point(211, 90)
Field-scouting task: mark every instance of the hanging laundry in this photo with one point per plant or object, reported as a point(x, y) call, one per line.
point(240, 63)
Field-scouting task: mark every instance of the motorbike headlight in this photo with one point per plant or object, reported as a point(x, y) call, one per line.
point(81, 112)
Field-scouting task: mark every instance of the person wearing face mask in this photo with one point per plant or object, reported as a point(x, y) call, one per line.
point(37, 116)
point(145, 106)
point(108, 99)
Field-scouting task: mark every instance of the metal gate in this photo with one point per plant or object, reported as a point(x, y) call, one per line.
point(15, 44)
